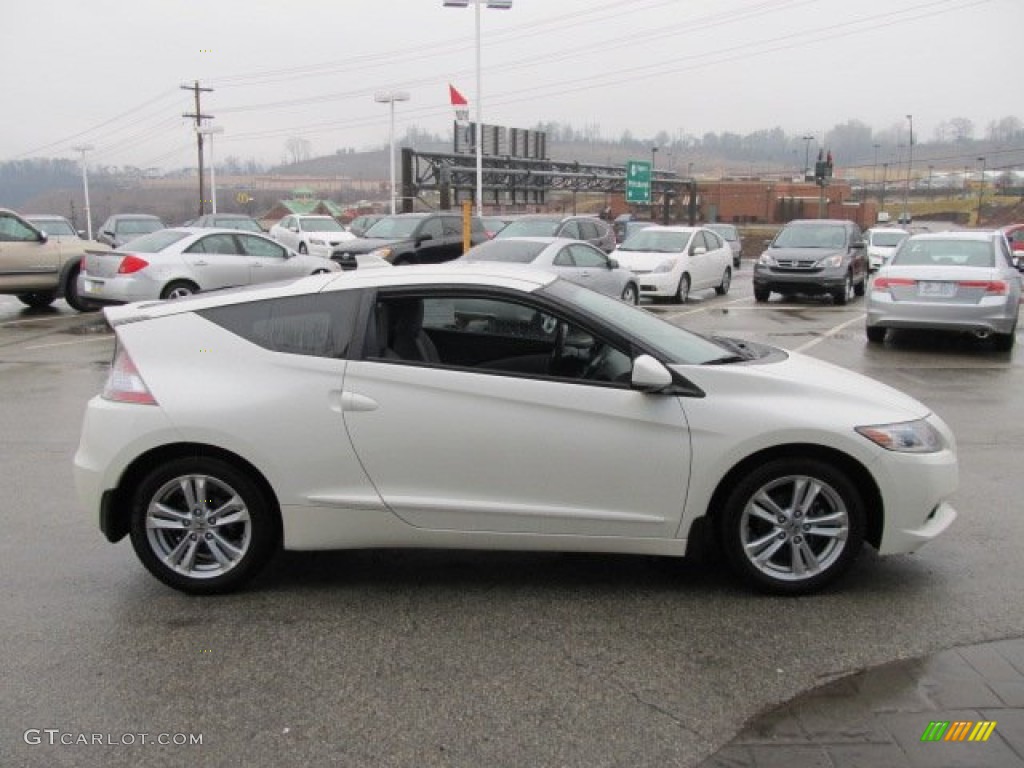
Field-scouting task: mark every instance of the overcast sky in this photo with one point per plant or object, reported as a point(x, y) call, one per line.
point(108, 72)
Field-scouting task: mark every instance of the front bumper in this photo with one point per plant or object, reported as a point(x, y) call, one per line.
point(657, 284)
point(781, 280)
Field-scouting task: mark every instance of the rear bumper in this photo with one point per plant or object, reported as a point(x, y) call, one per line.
point(992, 315)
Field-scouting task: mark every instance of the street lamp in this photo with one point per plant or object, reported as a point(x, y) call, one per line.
point(885, 172)
point(390, 97)
point(910, 166)
point(981, 192)
point(83, 148)
point(503, 5)
point(209, 130)
point(807, 154)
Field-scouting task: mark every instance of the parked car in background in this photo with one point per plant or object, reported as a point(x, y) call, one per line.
point(626, 224)
point(412, 238)
point(576, 261)
point(731, 234)
point(591, 229)
point(948, 281)
point(124, 227)
point(472, 407)
point(360, 224)
point(237, 221)
point(40, 269)
point(882, 243)
point(55, 227)
point(494, 224)
point(316, 235)
point(173, 263)
point(670, 262)
point(814, 256)
point(1015, 236)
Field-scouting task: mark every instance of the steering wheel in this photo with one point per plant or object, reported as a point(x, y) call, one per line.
point(558, 348)
point(598, 358)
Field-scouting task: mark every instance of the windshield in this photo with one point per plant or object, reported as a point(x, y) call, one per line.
point(155, 242)
point(321, 225)
point(393, 228)
point(811, 236)
point(529, 228)
point(656, 241)
point(54, 226)
point(509, 251)
point(138, 226)
point(725, 230)
point(247, 225)
point(670, 341)
point(888, 239)
point(944, 253)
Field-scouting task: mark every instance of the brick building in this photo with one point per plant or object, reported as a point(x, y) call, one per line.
point(766, 201)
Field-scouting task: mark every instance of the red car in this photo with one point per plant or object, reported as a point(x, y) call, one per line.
point(1015, 234)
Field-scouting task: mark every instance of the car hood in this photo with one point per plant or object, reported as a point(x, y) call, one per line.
point(643, 261)
point(367, 244)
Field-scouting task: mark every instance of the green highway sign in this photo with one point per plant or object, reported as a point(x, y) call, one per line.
point(638, 182)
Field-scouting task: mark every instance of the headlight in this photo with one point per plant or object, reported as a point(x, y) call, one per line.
point(907, 437)
point(831, 261)
point(666, 266)
point(317, 241)
point(384, 253)
point(767, 261)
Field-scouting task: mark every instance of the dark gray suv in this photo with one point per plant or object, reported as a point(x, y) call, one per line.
point(597, 232)
point(814, 256)
point(411, 238)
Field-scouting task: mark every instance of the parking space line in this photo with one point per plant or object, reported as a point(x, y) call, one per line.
point(829, 333)
point(107, 337)
point(40, 319)
point(698, 310)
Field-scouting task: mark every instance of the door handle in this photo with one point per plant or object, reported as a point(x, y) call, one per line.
point(200, 263)
point(354, 402)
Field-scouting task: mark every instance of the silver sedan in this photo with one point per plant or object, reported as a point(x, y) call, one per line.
point(172, 263)
point(948, 281)
point(574, 260)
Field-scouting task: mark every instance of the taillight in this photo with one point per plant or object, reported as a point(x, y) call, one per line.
point(881, 283)
point(124, 382)
point(992, 287)
point(130, 264)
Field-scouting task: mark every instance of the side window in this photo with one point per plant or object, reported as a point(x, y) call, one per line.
point(221, 243)
point(257, 246)
point(432, 227)
point(571, 229)
point(489, 335)
point(319, 325)
point(588, 230)
point(13, 229)
point(585, 256)
point(1004, 251)
point(564, 258)
point(286, 222)
point(452, 226)
point(713, 241)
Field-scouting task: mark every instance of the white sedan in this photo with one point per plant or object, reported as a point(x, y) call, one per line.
point(470, 406)
point(670, 262)
point(317, 235)
point(172, 263)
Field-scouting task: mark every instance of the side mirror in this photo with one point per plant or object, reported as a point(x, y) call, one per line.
point(767, 243)
point(43, 237)
point(423, 238)
point(81, 233)
point(613, 264)
point(649, 375)
point(698, 251)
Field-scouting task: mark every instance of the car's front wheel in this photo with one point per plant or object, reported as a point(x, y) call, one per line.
point(36, 300)
point(630, 294)
point(683, 291)
point(792, 525)
point(761, 294)
point(842, 295)
point(202, 526)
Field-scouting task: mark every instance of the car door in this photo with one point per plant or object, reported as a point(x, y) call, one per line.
point(27, 263)
point(268, 261)
point(701, 261)
point(216, 261)
point(858, 254)
point(719, 257)
point(435, 249)
point(484, 448)
point(595, 269)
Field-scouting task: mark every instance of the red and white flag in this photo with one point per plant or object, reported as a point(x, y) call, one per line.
point(458, 100)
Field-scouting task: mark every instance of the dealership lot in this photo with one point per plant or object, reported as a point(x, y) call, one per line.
point(456, 658)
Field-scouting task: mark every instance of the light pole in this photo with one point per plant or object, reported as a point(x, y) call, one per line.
point(209, 130)
point(885, 172)
point(503, 5)
point(981, 192)
point(390, 97)
point(874, 168)
point(83, 148)
point(807, 154)
point(910, 166)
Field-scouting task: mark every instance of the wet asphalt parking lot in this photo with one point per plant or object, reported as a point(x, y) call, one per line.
point(465, 658)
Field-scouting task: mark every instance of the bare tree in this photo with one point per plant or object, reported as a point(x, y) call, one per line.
point(298, 149)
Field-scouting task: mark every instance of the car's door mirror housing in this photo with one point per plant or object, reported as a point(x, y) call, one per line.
point(613, 264)
point(649, 375)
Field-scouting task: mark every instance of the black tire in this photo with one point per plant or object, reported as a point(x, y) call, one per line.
point(631, 294)
point(320, 271)
point(761, 541)
point(861, 287)
point(302, 249)
point(723, 288)
point(36, 300)
point(205, 563)
point(761, 294)
point(683, 291)
point(179, 289)
point(841, 296)
point(875, 334)
point(72, 297)
point(1004, 341)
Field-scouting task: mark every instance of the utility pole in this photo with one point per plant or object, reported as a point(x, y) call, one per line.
point(199, 117)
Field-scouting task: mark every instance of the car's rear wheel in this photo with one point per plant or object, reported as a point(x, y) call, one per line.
point(875, 333)
point(761, 294)
point(202, 526)
point(630, 294)
point(792, 525)
point(683, 291)
point(74, 299)
point(179, 289)
point(861, 287)
point(723, 288)
point(842, 295)
point(36, 300)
